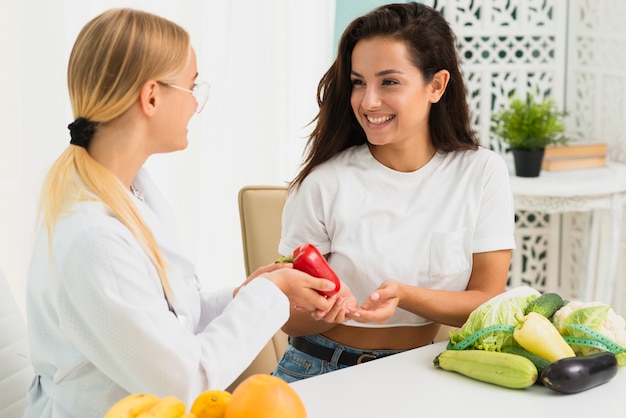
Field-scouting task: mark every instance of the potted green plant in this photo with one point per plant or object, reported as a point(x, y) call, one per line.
point(528, 126)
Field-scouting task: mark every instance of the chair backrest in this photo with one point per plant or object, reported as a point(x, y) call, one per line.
point(16, 372)
point(444, 333)
point(260, 213)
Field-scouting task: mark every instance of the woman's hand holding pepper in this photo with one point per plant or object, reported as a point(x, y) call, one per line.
point(260, 271)
point(303, 289)
point(343, 302)
point(380, 305)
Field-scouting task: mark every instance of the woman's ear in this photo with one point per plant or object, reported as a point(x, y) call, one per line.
point(438, 85)
point(148, 96)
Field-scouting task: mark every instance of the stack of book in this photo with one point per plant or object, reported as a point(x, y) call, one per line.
point(571, 157)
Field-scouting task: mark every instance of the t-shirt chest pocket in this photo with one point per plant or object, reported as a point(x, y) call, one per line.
point(449, 254)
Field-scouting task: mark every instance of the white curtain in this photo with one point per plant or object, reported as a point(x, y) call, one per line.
point(263, 59)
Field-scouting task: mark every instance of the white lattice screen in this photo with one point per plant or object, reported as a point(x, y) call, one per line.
point(571, 50)
point(596, 76)
point(506, 47)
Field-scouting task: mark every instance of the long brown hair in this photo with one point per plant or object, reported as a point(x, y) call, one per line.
point(113, 56)
point(431, 44)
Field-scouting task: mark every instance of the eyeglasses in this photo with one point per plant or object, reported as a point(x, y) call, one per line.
point(200, 92)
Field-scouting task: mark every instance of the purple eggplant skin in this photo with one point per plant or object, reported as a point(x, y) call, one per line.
point(576, 374)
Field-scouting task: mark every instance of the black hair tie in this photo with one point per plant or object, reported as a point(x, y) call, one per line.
point(81, 131)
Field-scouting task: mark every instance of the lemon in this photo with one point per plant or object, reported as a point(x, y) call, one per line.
point(211, 404)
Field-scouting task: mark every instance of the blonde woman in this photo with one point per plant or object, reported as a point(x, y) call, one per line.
point(113, 305)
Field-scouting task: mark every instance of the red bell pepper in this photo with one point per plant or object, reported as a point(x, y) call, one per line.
point(307, 258)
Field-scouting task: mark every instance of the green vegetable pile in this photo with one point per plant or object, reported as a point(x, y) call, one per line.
point(522, 337)
point(589, 327)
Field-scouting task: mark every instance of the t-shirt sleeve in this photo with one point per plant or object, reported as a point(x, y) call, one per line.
point(304, 214)
point(495, 225)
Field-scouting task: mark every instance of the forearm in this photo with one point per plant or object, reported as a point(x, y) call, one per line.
point(488, 279)
point(442, 306)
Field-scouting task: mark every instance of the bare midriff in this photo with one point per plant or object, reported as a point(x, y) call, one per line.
point(389, 338)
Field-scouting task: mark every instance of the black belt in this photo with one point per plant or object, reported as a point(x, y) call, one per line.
point(326, 353)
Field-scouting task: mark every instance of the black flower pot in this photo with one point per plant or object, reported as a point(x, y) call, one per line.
point(527, 162)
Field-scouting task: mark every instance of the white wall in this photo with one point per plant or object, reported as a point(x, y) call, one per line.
point(263, 59)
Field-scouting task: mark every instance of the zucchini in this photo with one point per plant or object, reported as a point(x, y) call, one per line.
point(502, 369)
point(546, 305)
point(575, 374)
point(539, 362)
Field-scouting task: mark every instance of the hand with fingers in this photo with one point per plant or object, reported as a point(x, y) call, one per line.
point(380, 305)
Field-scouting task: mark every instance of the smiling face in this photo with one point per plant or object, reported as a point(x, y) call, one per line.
point(390, 98)
point(178, 107)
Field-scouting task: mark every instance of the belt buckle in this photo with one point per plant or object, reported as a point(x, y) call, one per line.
point(363, 358)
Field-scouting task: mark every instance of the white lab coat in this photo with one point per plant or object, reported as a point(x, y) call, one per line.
point(100, 327)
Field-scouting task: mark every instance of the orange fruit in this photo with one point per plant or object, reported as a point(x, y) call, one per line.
point(265, 396)
point(211, 404)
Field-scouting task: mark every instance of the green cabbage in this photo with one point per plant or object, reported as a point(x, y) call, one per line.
point(504, 309)
point(599, 318)
point(591, 317)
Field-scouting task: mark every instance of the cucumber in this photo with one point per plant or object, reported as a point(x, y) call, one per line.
point(546, 305)
point(539, 362)
point(502, 369)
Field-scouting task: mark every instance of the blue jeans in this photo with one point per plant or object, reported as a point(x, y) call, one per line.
point(296, 365)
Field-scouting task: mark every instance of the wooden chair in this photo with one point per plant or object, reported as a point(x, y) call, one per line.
point(260, 213)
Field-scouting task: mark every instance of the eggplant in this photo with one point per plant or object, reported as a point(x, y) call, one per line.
point(575, 374)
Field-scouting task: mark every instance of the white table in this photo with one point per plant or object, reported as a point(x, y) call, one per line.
point(601, 191)
point(409, 385)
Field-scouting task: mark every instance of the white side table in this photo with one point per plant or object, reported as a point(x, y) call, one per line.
point(600, 191)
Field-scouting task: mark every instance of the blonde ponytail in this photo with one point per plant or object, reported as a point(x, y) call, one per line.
point(113, 56)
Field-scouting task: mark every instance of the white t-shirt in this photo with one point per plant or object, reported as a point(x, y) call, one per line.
point(420, 228)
